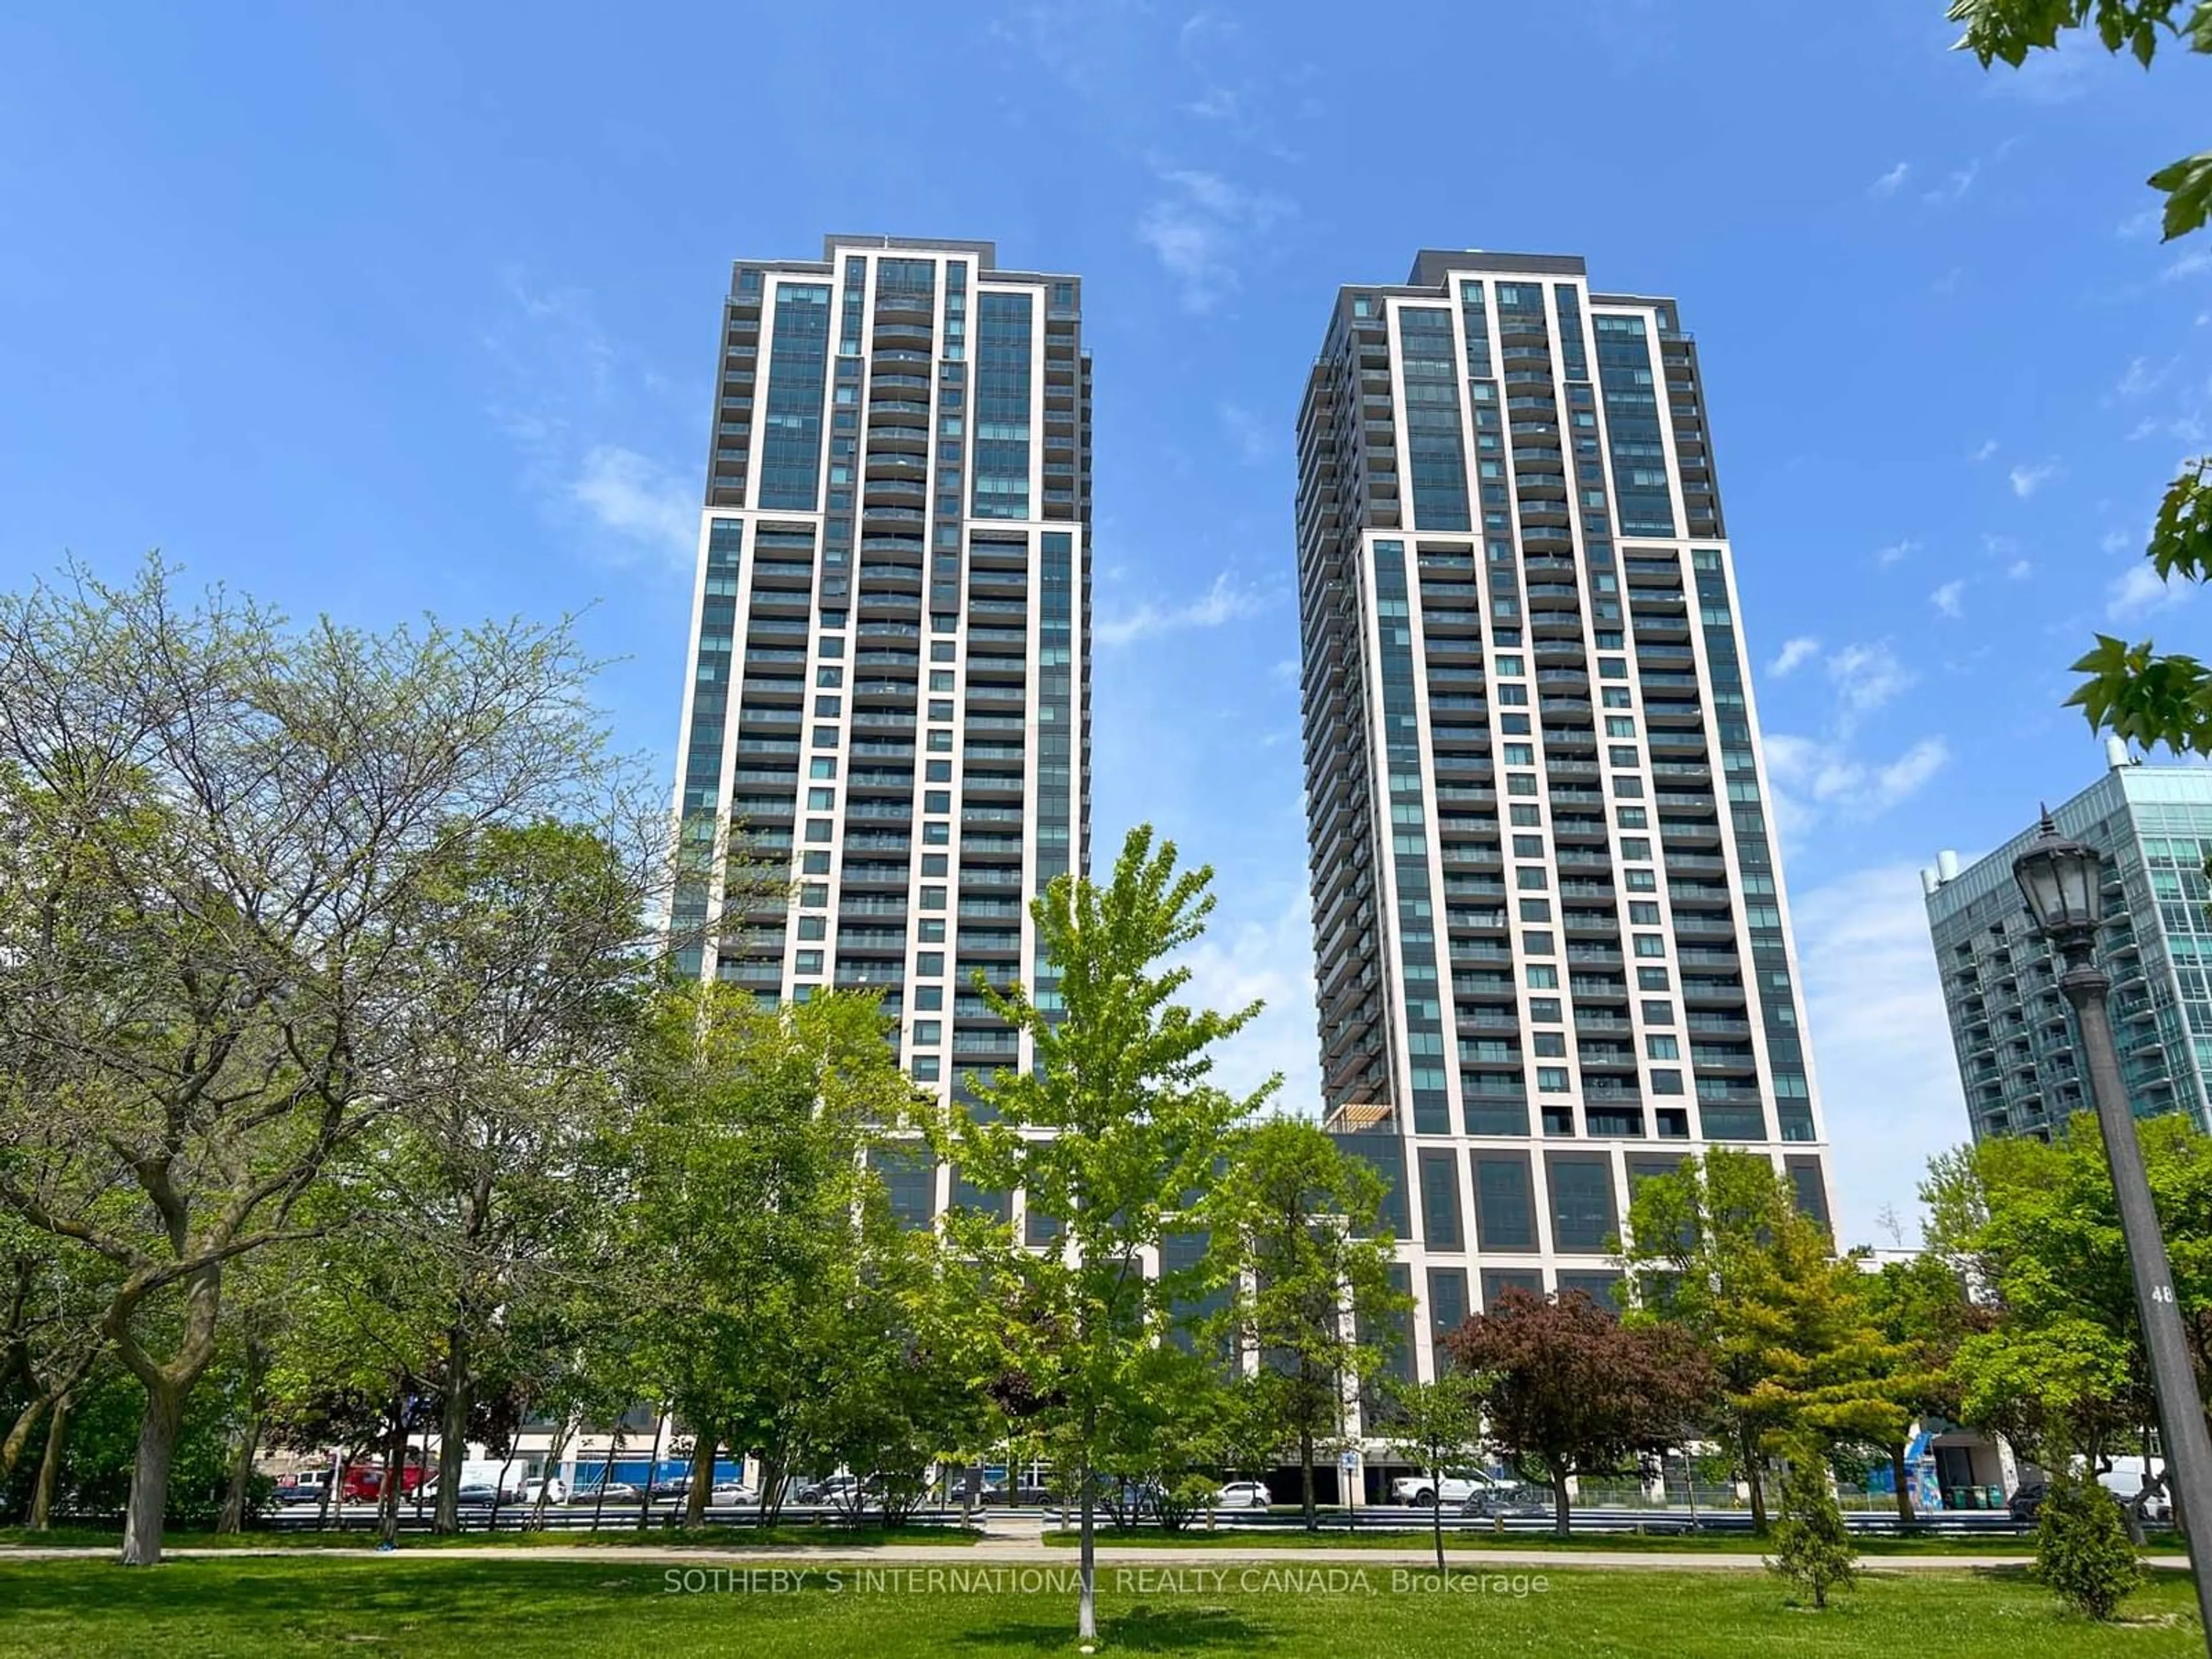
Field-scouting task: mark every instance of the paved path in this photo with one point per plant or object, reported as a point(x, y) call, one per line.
point(996, 1552)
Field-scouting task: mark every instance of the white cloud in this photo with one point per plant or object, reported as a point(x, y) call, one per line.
point(1888, 184)
point(2187, 264)
point(1251, 440)
point(2139, 224)
point(2019, 570)
point(639, 500)
point(1224, 602)
point(1865, 678)
point(2026, 480)
point(1888, 1076)
point(1795, 654)
point(2140, 592)
point(1817, 775)
point(1201, 229)
point(2071, 70)
point(1946, 598)
point(2116, 541)
point(1955, 185)
point(1989, 447)
point(1896, 552)
point(2140, 377)
point(1269, 958)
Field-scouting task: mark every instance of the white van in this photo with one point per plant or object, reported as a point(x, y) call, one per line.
point(2126, 1483)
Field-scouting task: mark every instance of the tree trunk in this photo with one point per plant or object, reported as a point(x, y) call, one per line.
point(606, 1473)
point(395, 1477)
point(232, 1518)
point(1562, 1521)
point(704, 1445)
point(453, 1432)
point(1306, 1474)
point(333, 1492)
point(150, 1475)
point(1436, 1517)
point(1086, 1603)
point(1749, 1443)
point(552, 1464)
point(1904, 1515)
point(652, 1468)
point(50, 1467)
point(19, 1437)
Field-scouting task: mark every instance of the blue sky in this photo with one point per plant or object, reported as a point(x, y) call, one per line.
point(407, 310)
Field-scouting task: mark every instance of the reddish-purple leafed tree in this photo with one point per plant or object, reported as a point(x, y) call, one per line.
point(1571, 1391)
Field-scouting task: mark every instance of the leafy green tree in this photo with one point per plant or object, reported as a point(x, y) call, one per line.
point(746, 1239)
point(1438, 1426)
point(1115, 1136)
point(215, 833)
point(2133, 690)
point(2081, 1549)
point(501, 1180)
point(1302, 1269)
point(1923, 1312)
point(1572, 1391)
point(1720, 1249)
point(1812, 1547)
point(2060, 1369)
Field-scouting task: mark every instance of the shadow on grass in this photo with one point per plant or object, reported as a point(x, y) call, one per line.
point(1142, 1629)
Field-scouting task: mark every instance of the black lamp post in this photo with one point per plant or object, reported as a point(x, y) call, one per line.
point(2060, 880)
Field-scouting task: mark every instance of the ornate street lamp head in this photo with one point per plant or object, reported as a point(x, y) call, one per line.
point(2060, 878)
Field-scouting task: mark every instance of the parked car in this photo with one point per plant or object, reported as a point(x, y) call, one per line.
point(1457, 1487)
point(477, 1494)
point(1243, 1495)
point(307, 1487)
point(2127, 1485)
point(733, 1495)
point(528, 1491)
point(844, 1490)
point(615, 1491)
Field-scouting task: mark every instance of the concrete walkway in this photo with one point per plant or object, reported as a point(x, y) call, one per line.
point(995, 1552)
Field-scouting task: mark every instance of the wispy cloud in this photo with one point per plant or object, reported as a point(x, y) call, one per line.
point(1247, 435)
point(2188, 264)
point(1987, 448)
point(2019, 570)
point(1816, 777)
point(1888, 182)
point(2026, 479)
point(582, 413)
point(638, 499)
point(2141, 591)
point(1865, 676)
point(1201, 227)
point(1795, 654)
point(1896, 552)
point(1956, 183)
point(1947, 599)
point(1226, 601)
point(2140, 379)
point(2073, 69)
point(1874, 1004)
point(2136, 225)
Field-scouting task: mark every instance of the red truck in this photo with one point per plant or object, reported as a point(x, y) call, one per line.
point(364, 1482)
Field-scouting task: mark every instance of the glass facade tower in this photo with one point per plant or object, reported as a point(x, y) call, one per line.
point(1552, 951)
point(889, 681)
point(2012, 1029)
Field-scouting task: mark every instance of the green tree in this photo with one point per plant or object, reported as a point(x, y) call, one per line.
point(2081, 1549)
point(215, 830)
point(501, 1183)
point(1438, 1426)
point(1720, 1249)
point(1922, 1310)
point(1303, 1270)
point(747, 1237)
point(1812, 1547)
point(1115, 1138)
point(2133, 690)
point(1572, 1391)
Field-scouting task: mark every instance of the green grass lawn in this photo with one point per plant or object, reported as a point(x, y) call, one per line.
point(659, 1538)
point(424, 1608)
point(1333, 1536)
